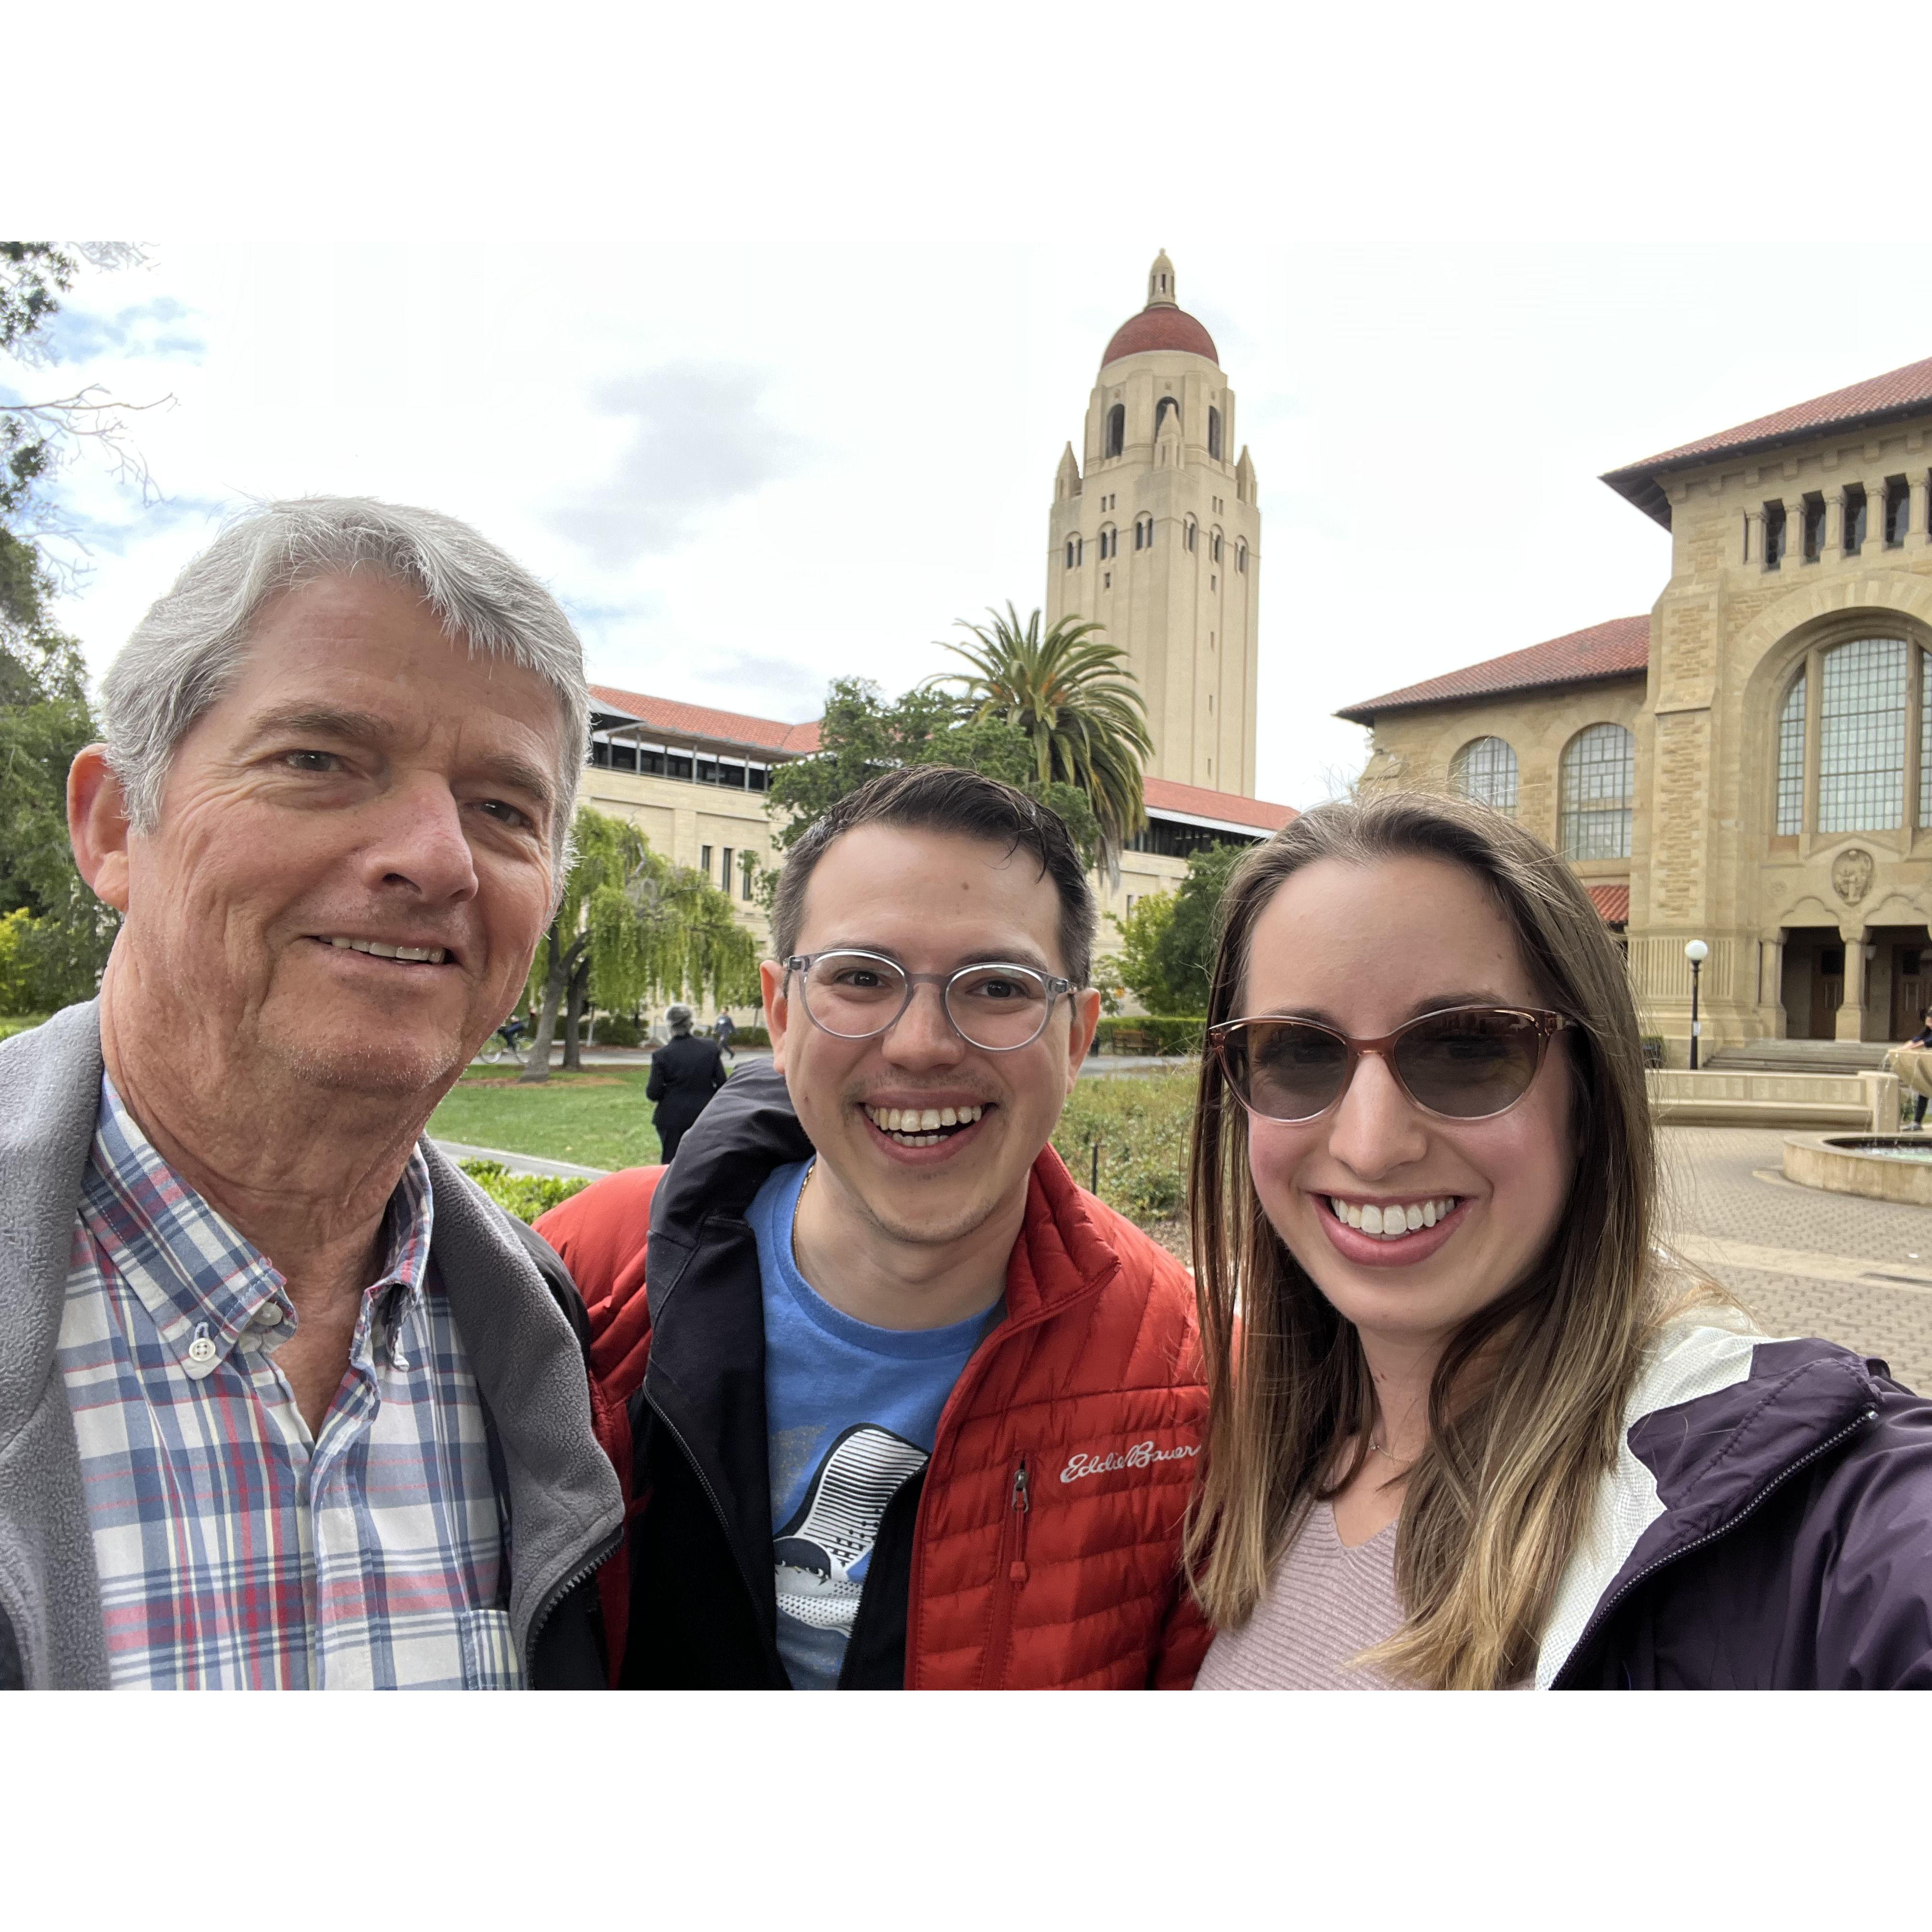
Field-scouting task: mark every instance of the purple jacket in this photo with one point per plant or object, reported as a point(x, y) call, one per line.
point(1769, 1526)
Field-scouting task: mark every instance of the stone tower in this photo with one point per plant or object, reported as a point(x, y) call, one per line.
point(1157, 538)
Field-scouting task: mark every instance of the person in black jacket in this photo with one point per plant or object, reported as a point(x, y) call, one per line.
point(685, 1072)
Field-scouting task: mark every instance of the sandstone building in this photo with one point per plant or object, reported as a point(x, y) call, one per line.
point(1159, 541)
point(1155, 535)
point(1750, 765)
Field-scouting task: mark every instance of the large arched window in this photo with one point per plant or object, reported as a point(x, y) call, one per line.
point(1790, 817)
point(1160, 410)
point(1117, 429)
point(1854, 740)
point(1485, 770)
point(1598, 787)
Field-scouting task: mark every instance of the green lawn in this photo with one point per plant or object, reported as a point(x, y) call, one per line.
point(596, 1118)
point(13, 1023)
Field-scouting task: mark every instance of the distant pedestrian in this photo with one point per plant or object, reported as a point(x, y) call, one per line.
point(685, 1072)
point(725, 1029)
point(1920, 1042)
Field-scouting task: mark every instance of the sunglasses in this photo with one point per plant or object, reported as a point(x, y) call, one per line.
point(1463, 1064)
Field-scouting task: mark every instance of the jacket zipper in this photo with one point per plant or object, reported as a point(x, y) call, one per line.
point(589, 1567)
point(1603, 1611)
point(963, 1391)
point(1010, 1580)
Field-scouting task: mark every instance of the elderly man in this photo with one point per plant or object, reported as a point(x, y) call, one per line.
point(283, 1400)
point(685, 1072)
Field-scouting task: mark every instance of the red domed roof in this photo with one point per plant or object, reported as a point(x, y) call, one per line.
point(1162, 327)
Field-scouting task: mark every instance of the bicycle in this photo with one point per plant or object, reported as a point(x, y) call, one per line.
point(501, 1045)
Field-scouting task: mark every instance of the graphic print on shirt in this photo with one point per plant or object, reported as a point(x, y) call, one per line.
point(819, 1558)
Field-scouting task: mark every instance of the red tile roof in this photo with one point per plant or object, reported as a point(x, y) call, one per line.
point(674, 720)
point(699, 721)
point(1619, 649)
point(1900, 392)
point(1162, 328)
point(1166, 795)
point(1613, 901)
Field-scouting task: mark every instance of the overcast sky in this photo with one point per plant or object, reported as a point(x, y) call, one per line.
point(759, 336)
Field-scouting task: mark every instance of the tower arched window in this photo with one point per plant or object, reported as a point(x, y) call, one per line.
point(1117, 429)
point(1597, 786)
point(1866, 765)
point(1110, 543)
point(1070, 553)
point(1485, 770)
point(1214, 546)
point(1214, 434)
point(1160, 410)
point(1241, 555)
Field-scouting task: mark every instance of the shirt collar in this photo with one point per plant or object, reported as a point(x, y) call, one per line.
point(199, 1277)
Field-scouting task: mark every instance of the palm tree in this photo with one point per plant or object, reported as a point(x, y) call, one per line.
point(1077, 703)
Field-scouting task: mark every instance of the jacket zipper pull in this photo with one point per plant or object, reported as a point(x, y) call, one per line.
point(1023, 1507)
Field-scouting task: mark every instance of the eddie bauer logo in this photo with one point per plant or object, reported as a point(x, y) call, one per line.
point(1142, 1455)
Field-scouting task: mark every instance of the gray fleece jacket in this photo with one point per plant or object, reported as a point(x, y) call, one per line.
point(565, 1507)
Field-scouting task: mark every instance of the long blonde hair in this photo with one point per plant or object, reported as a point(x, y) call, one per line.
point(1500, 1494)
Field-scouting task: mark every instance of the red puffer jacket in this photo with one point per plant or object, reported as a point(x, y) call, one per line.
point(1041, 1546)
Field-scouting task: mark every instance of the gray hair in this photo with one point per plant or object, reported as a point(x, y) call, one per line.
point(678, 1018)
point(186, 653)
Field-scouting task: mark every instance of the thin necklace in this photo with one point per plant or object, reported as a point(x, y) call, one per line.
point(1396, 1459)
point(800, 1201)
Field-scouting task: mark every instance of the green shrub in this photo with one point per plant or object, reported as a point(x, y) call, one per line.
point(1149, 1033)
point(615, 1030)
point(13, 1023)
point(1141, 1123)
point(751, 1036)
point(525, 1195)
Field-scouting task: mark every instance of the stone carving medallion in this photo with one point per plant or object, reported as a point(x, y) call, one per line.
point(1852, 875)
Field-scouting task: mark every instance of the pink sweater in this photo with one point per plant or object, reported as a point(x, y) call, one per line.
point(1324, 1604)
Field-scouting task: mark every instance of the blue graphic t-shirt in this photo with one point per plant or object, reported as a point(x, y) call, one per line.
point(851, 1411)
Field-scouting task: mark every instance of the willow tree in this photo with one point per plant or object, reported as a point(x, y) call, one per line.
point(1078, 706)
point(632, 927)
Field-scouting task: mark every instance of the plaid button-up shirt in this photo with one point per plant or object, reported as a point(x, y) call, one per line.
point(235, 1547)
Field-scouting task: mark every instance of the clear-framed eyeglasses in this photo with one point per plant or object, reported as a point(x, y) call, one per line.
point(996, 1006)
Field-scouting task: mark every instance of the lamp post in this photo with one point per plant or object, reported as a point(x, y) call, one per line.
point(1697, 953)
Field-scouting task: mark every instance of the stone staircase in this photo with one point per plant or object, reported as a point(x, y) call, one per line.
point(1800, 1056)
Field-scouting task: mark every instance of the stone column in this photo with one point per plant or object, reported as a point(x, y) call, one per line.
point(1754, 537)
point(1852, 1010)
point(1914, 524)
point(1770, 984)
point(1835, 524)
point(1794, 530)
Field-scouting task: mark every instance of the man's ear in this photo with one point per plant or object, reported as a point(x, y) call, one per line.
point(772, 987)
point(1086, 1017)
point(97, 825)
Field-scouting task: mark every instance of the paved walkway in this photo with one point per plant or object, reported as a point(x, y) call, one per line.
point(522, 1163)
point(1802, 1261)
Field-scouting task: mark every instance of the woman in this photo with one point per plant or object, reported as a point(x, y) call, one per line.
point(1470, 1421)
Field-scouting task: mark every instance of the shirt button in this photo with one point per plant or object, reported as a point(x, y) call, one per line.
point(268, 1316)
point(201, 1351)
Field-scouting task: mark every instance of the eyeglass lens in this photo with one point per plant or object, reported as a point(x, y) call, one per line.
point(1465, 1065)
point(857, 995)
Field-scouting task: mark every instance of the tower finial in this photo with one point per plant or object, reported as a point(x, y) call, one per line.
point(1160, 283)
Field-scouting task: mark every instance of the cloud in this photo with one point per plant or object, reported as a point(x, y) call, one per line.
point(159, 329)
point(699, 437)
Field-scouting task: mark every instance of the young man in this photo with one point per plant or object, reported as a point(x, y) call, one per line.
point(918, 1411)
